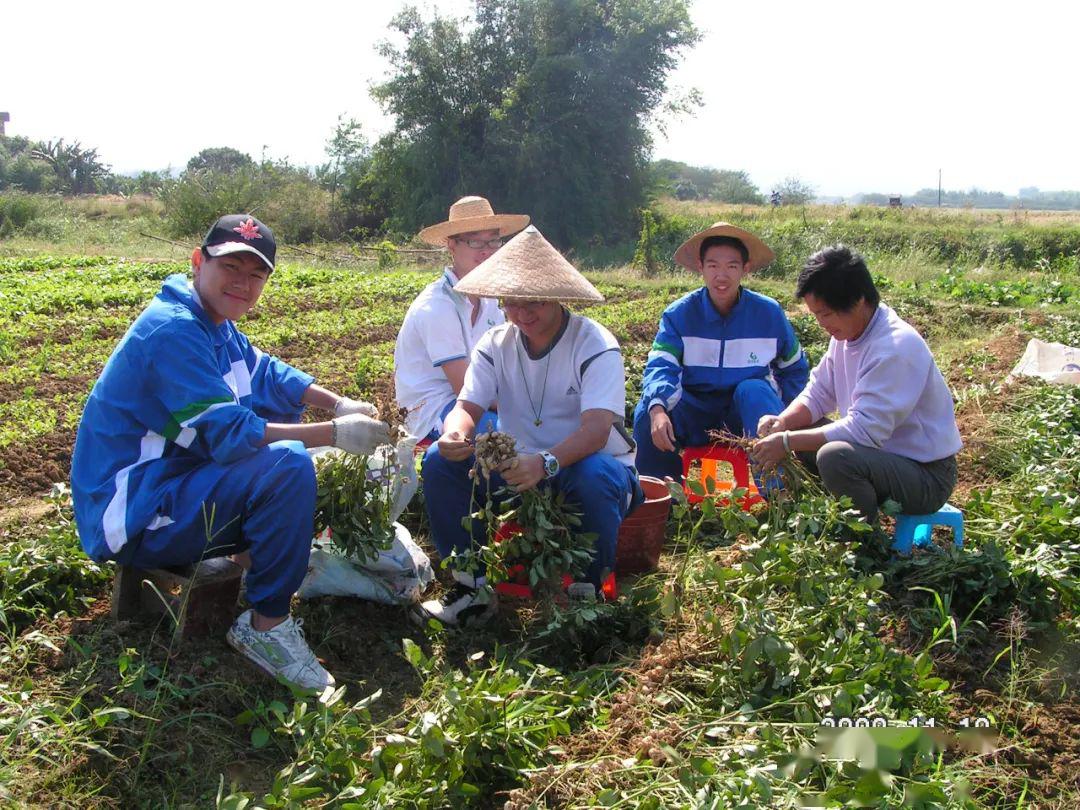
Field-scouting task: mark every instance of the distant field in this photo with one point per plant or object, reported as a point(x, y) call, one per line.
point(1015, 216)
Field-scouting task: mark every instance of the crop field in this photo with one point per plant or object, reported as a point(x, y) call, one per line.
point(709, 683)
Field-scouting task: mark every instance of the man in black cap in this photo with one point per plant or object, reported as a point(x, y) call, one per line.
point(189, 446)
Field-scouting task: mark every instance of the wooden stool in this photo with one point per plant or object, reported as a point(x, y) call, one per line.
point(201, 597)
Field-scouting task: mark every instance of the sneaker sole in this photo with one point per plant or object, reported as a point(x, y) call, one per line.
point(421, 617)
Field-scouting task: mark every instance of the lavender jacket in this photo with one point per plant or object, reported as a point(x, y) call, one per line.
point(888, 391)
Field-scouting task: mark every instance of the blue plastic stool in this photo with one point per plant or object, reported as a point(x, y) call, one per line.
point(917, 529)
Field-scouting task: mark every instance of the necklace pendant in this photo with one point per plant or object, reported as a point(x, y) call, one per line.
point(538, 422)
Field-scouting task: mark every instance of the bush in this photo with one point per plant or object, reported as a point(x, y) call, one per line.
point(299, 211)
point(285, 198)
point(194, 201)
point(16, 212)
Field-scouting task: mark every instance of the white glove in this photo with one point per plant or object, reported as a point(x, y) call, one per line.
point(359, 434)
point(345, 406)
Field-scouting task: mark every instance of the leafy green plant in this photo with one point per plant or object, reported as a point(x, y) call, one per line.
point(47, 572)
point(482, 729)
point(551, 544)
point(353, 502)
point(646, 255)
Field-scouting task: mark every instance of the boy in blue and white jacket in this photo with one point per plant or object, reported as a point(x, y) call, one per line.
point(722, 357)
point(188, 445)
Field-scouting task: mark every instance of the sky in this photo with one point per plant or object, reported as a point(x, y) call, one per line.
point(845, 96)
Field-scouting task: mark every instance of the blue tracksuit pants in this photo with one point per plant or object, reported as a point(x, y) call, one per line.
point(604, 489)
point(696, 414)
point(263, 503)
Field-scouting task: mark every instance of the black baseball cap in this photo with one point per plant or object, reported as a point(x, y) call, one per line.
point(236, 233)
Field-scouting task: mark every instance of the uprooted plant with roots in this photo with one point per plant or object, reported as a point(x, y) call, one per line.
point(550, 544)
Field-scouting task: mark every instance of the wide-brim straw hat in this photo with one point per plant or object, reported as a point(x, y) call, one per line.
point(473, 214)
point(528, 268)
point(689, 252)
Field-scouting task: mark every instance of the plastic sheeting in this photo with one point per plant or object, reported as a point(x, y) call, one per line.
point(1052, 362)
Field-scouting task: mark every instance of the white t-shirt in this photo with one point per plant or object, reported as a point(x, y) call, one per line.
point(583, 369)
point(437, 328)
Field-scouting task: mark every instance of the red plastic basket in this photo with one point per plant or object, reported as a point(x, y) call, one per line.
point(517, 584)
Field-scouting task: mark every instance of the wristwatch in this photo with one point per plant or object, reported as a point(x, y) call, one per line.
point(551, 464)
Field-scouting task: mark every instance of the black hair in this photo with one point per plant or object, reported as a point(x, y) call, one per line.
point(730, 241)
point(839, 277)
point(205, 254)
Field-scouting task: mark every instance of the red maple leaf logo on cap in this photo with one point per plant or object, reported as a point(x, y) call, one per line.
point(248, 230)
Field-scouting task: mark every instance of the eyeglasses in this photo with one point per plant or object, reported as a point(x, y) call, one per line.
point(513, 303)
point(478, 244)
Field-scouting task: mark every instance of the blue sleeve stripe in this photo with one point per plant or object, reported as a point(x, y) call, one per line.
point(589, 361)
point(446, 360)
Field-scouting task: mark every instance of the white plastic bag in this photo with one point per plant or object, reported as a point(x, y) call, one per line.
point(397, 576)
point(398, 461)
point(1052, 362)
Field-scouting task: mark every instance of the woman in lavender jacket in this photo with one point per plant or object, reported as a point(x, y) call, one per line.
point(896, 434)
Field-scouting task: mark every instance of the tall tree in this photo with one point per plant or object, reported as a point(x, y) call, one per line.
point(702, 182)
point(541, 105)
point(223, 159)
point(794, 191)
point(77, 170)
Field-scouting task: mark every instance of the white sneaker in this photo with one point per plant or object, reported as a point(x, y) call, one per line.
point(460, 605)
point(280, 650)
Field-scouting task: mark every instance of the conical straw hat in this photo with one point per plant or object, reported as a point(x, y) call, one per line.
point(473, 214)
point(528, 268)
point(689, 252)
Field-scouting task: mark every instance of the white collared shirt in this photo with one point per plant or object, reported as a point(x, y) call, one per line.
point(438, 328)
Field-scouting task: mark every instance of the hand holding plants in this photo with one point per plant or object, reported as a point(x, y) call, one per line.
point(454, 446)
point(345, 406)
point(359, 434)
point(769, 451)
point(768, 424)
point(524, 472)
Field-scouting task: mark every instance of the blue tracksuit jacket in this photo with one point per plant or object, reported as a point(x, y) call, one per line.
point(178, 392)
point(702, 352)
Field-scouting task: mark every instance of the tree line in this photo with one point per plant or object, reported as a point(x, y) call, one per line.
point(540, 105)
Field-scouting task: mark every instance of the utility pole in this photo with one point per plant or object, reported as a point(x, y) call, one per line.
point(939, 188)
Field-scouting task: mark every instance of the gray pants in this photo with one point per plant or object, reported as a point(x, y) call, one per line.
point(870, 477)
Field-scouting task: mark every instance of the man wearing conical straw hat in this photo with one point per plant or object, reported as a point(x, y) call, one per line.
point(558, 381)
point(723, 357)
point(442, 325)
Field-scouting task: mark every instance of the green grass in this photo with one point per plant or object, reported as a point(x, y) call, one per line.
point(704, 685)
